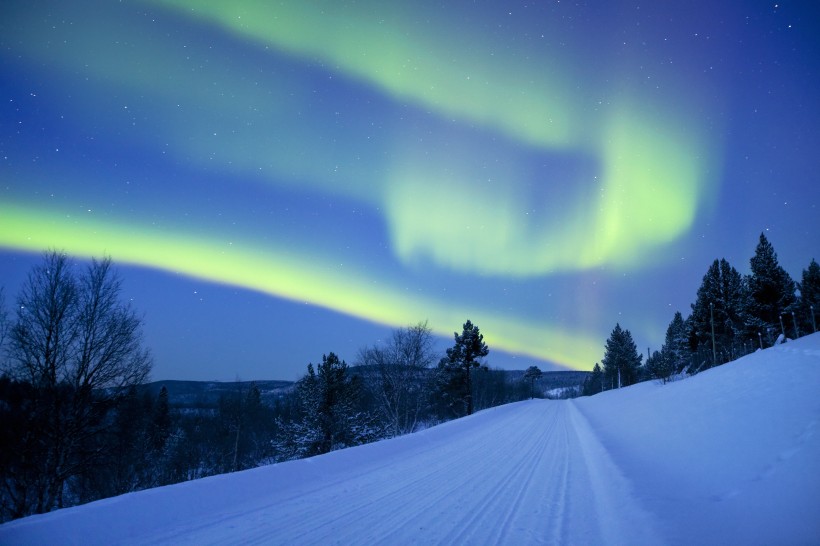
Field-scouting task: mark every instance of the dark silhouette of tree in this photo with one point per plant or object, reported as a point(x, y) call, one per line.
point(771, 292)
point(456, 368)
point(80, 349)
point(809, 303)
point(532, 374)
point(659, 366)
point(719, 308)
point(3, 318)
point(621, 362)
point(594, 382)
point(161, 422)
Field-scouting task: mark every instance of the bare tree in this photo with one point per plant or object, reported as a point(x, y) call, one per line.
point(398, 370)
point(3, 319)
point(79, 348)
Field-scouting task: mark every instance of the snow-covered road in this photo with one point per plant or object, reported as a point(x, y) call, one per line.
point(525, 474)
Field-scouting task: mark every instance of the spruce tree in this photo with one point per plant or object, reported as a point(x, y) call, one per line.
point(621, 362)
point(161, 422)
point(809, 304)
point(456, 368)
point(771, 292)
point(676, 344)
point(718, 320)
point(328, 399)
point(659, 366)
point(532, 373)
point(594, 383)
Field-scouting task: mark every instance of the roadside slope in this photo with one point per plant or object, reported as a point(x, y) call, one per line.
point(729, 456)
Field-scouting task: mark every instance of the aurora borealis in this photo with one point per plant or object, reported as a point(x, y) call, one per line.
point(280, 180)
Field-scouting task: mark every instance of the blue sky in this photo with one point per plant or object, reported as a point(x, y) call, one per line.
point(278, 182)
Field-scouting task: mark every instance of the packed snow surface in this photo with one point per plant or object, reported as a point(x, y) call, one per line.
point(730, 456)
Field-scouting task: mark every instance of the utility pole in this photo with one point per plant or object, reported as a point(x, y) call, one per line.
point(712, 318)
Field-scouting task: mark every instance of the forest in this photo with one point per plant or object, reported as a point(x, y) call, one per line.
point(79, 422)
point(733, 315)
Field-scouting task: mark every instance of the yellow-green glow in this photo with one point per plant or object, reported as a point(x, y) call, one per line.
point(653, 183)
point(423, 65)
point(648, 195)
point(652, 177)
point(279, 273)
point(465, 154)
point(652, 160)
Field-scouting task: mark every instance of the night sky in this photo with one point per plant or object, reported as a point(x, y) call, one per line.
point(279, 180)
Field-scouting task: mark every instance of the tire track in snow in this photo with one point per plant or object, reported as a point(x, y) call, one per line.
point(417, 474)
point(493, 516)
point(533, 473)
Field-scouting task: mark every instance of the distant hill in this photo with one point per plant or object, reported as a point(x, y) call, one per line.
point(206, 394)
point(550, 381)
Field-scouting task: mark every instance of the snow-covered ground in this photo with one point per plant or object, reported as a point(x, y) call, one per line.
point(731, 456)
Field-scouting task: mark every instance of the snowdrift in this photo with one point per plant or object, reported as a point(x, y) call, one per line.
point(730, 456)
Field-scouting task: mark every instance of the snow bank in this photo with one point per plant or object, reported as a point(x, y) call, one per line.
point(729, 456)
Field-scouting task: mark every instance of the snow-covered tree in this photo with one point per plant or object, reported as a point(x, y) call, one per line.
point(676, 344)
point(659, 366)
point(329, 414)
point(621, 362)
point(771, 292)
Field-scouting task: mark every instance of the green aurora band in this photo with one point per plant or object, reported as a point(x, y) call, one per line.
point(650, 155)
point(277, 272)
point(649, 162)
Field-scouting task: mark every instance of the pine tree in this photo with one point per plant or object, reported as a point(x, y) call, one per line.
point(456, 368)
point(621, 362)
point(676, 344)
point(594, 383)
point(329, 420)
point(532, 373)
point(161, 426)
point(719, 309)
point(771, 292)
point(659, 366)
point(809, 304)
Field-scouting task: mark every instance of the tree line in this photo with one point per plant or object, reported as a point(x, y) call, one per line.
point(77, 425)
point(733, 315)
